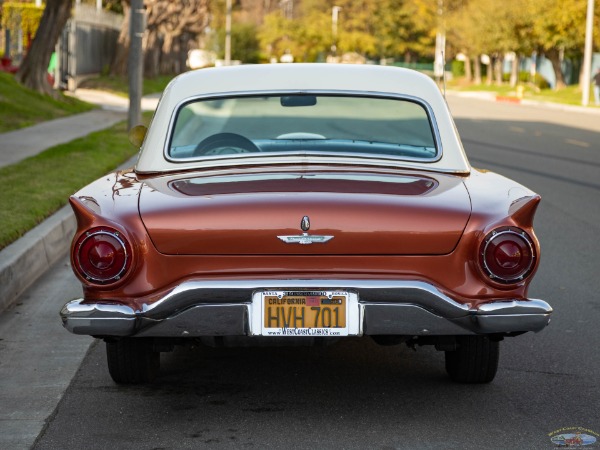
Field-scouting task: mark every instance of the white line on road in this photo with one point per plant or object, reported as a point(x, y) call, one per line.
point(577, 143)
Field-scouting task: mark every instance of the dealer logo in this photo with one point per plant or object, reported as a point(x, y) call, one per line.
point(569, 437)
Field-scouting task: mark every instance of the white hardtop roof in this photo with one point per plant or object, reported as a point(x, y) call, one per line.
point(248, 79)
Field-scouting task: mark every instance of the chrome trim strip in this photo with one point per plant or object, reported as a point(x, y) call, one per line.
point(506, 323)
point(532, 306)
point(98, 318)
point(305, 239)
point(240, 291)
point(97, 310)
point(223, 307)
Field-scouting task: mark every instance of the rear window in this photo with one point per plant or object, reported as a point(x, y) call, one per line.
point(320, 124)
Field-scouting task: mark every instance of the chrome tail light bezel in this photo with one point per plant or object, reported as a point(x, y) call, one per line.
point(94, 276)
point(526, 246)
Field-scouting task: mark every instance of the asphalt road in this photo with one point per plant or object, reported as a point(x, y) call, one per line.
point(356, 394)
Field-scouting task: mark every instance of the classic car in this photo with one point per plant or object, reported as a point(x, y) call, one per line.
point(303, 203)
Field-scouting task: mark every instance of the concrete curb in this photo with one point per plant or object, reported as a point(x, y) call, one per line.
point(25, 260)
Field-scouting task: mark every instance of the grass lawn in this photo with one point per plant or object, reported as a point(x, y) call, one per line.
point(36, 187)
point(120, 85)
point(21, 107)
point(571, 95)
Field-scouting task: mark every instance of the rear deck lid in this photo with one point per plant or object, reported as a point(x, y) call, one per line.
point(362, 213)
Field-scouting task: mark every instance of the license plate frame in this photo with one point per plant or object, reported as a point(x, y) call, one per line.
point(328, 298)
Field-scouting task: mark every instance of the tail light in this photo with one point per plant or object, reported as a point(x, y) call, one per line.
point(102, 255)
point(507, 255)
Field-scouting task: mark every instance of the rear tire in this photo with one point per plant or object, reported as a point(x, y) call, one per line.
point(474, 361)
point(132, 360)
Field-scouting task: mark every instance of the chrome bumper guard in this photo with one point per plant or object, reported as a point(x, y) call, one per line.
point(224, 308)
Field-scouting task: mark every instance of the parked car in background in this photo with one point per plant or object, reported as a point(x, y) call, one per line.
point(304, 202)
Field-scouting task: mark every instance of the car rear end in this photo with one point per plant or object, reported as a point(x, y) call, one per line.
point(305, 214)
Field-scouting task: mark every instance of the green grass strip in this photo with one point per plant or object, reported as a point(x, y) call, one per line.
point(570, 95)
point(21, 107)
point(36, 187)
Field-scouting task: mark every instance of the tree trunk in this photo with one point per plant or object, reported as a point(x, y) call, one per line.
point(477, 67)
point(33, 70)
point(152, 53)
point(514, 71)
point(554, 57)
point(498, 63)
point(164, 47)
point(119, 63)
point(468, 71)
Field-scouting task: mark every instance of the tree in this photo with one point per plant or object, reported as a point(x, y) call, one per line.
point(245, 46)
point(21, 18)
point(33, 70)
point(171, 30)
point(489, 27)
point(404, 28)
point(119, 63)
point(372, 29)
point(306, 35)
point(558, 28)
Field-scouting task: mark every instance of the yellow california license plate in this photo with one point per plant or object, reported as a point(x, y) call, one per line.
point(304, 313)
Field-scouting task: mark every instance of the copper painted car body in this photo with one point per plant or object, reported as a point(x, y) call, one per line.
point(207, 228)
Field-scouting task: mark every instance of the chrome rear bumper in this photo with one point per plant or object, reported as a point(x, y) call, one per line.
point(224, 308)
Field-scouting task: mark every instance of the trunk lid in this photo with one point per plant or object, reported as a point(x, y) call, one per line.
point(366, 213)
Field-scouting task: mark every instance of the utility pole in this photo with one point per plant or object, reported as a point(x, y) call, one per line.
point(335, 11)
point(135, 63)
point(440, 43)
point(228, 34)
point(587, 54)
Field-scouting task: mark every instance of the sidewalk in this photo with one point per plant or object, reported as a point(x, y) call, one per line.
point(21, 144)
point(25, 260)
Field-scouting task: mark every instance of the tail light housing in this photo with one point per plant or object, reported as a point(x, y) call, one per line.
point(507, 255)
point(102, 255)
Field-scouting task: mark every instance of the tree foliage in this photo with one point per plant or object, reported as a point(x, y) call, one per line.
point(23, 16)
point(396, 29)
point(406, 29)
point(553, 28)
point(245, 46)
point(558, 27)
point(386, 28)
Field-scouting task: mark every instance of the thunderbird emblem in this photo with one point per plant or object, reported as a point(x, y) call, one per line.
point(305, 238)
